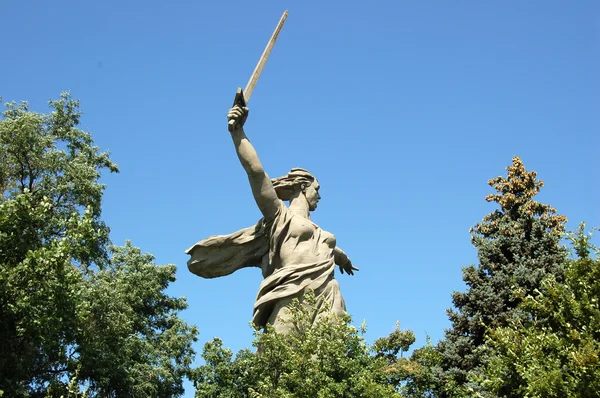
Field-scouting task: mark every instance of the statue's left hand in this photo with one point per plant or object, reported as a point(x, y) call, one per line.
point(348, 267)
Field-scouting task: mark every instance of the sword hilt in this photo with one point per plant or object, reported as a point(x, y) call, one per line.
point(240, 101)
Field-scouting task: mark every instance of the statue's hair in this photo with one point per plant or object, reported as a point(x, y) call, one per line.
point(286, 185)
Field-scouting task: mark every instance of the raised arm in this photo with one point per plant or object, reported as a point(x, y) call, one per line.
point(343, 261)
point(261, 185)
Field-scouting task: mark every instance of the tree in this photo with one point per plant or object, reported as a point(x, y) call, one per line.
point(419, 374)
point(518, 246)
point(132, 342)
point(327, 358)
point(555, 352)
point(59, 308)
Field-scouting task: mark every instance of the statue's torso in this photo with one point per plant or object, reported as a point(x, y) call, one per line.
point(305, 243)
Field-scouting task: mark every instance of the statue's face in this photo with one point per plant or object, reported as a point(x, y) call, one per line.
point(312, 195)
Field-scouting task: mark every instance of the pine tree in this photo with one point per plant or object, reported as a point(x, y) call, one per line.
point(518, 245)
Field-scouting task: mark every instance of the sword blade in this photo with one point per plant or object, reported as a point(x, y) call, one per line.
point(263, 59)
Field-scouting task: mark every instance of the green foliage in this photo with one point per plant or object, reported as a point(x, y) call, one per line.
point(71, 312)
point(49, 232)
point(132, 342)
point(518, 246)
point(419, 375)
point(325, 358)
point(46, 157)
point(555, 352)
point(39, 296)
point(413, 375)
point(396, 343)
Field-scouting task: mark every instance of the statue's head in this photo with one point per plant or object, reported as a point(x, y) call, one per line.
point(298, 182)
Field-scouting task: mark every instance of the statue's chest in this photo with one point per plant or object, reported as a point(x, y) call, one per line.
point(305, 230)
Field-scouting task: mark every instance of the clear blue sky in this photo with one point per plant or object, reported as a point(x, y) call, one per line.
point(403, 111)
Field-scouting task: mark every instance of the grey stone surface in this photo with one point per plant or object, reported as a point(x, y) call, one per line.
point(292, 251)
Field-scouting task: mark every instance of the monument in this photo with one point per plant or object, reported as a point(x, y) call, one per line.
point(294, 253)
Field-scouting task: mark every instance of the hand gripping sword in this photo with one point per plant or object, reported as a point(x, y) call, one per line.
point(243, 96)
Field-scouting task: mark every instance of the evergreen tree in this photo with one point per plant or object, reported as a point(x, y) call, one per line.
point(518, 246)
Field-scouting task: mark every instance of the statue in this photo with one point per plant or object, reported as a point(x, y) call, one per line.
point(293, 252)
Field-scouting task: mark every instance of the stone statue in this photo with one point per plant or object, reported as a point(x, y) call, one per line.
point(292, 251)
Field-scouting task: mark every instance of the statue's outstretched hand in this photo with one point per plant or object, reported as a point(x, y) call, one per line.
point(238, 115)
point(348, 267)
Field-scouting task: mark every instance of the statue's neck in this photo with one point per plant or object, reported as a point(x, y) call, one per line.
point(299, 206)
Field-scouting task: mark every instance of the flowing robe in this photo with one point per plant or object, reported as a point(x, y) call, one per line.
point(260, 246)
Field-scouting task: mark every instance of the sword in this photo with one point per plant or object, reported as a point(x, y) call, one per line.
point(243, 96)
